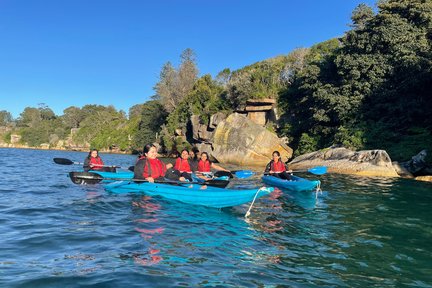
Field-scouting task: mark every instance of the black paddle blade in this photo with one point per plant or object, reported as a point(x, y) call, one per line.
point(85, 178)
point(131, 168)
point(217, 183)
point(63, 161)
point(223, 173)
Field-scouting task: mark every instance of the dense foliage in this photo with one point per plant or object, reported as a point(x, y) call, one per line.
point(372, 89)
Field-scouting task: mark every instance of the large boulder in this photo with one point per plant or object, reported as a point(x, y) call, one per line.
point(345, 161)
point(199, 130)
point(416, 164)
point(237, 140)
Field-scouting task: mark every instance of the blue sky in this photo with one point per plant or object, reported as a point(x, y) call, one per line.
point(75, 52)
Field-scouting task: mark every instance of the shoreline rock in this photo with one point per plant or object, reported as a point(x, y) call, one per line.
point(344, 161)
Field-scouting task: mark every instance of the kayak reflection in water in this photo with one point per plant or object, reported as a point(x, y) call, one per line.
point(277, 168)
point(94, 162)
point(150, 168)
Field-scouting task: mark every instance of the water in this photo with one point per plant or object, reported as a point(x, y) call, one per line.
point(373, 232)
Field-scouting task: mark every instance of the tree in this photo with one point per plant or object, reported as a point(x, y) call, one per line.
point(5, 118)
point(174, 84)
point(72, 117)
point(153, 116)
point(29, 117)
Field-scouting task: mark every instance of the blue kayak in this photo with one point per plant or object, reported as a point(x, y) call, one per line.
point(191, 193)
point(296, 184)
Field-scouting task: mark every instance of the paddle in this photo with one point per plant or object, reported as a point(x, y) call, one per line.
point(317, 170)
point(64, 161)
point(241, 174)
point(93, 178)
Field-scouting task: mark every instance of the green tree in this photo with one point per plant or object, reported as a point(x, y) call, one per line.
point(174, 84)
point(5, 118)
point(153, 116)
point(72, 117)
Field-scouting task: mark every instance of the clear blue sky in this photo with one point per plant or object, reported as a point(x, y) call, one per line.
point(75, 52)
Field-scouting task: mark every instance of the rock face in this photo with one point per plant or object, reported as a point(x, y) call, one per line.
point(237, 140)
point(345, 161)
point(416, 164)
point(424, 178)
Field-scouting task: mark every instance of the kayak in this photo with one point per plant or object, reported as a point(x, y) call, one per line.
point(296, 184)
point(191, 193)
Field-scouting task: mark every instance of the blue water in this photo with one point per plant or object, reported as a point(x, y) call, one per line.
point(360, 232)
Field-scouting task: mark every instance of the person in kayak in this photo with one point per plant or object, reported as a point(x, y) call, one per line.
point(205, 165)
point(94, 162)
point(193, 158)
point(277, 168)
point(150, 168)
point(184, 165)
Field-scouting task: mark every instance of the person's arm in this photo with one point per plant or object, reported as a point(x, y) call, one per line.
point(139, 169)
point(86, 165)
point(268, 167)
point(217, 167)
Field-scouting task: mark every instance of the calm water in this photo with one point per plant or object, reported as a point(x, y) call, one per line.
point(361, 232)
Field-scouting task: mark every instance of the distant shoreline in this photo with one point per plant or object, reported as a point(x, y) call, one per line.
point(67, 150)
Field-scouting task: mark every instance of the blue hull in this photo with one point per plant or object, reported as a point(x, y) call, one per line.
point(297, 184)
point(191, 194)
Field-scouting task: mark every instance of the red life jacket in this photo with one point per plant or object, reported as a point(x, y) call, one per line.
point(182, 165)
point(154, 168)
point(97, 162)
point(278, 166)
point(204, 166)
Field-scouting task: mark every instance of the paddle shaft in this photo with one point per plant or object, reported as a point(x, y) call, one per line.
point(97, 177)
point(65, 161)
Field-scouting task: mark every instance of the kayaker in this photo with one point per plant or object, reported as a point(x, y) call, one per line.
point(184, 165)
point(205, 165)
point(193, 158)
point(94, 162)
point(150, 168)
point(277, 168)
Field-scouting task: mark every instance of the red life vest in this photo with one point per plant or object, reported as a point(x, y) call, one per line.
point(154, 168)
point(204, 166)
point(278, 166)
point(96, 163)
point(182, 165)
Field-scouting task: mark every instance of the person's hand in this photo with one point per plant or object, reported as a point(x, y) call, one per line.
point(169, 165)
point(289, 171)
point(150, 179)
point(182, 179)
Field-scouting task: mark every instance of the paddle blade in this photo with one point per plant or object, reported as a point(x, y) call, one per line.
point(63, 161)
point(217, 183)
point(223, 173)
point(318, 170)
point(243, 173)
point(85, 177)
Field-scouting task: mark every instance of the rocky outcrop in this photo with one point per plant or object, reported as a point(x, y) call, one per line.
point(424, 178)
point(200, 132)
point(416, 164)
point(345, 161)
point(237, 140)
